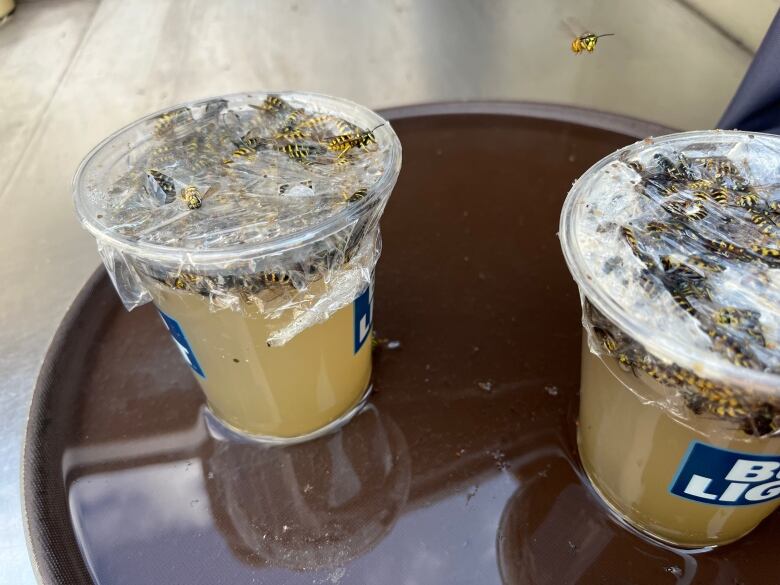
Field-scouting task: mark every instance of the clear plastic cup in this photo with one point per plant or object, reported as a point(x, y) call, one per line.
point(673, 246)
point(251, 222)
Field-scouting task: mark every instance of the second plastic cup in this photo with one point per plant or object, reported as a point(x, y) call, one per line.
point(251, 222)
point(680, 392)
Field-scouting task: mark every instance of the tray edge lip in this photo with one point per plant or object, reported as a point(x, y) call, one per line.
point(559, 112)
point(594, 118)
point(43, 571)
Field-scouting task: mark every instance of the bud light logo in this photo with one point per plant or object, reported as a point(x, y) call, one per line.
point(726, 478)
point(364, 316)
point(181, 342)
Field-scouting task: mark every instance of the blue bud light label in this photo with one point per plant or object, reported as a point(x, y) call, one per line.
point(181, 342)
point(726, 478)
point(364, 316)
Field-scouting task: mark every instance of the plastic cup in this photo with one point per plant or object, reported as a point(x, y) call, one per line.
point(679, 391)
point(265, 279)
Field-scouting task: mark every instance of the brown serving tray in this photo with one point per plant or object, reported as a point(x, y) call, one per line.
point(462, 470)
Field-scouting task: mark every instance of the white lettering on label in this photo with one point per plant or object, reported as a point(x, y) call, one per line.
point(698, 485)
point(763, 492)
point(733, 492)
point(752, 471)
point(183, 351)
point(363, 327)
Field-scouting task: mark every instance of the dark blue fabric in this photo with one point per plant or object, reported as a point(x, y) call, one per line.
point(756, 105)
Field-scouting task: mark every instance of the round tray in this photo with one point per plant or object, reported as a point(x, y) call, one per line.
point(462, 469)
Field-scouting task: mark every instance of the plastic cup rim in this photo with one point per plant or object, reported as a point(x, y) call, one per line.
point(320, 231)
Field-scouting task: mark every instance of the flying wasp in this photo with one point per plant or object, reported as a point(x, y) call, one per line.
point(587, 42)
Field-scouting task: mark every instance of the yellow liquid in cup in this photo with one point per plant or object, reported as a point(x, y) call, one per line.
point(631, 449)
point(283, 392)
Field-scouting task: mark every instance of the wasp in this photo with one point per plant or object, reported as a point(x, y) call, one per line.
point(296, 152)
point(193, 145)
point(721, 167)
point(270, 278)
point(720, 196)
point(241, 151)
point(164, 123)
point(606, 339)
point(161, 187)
point(685, 210)
point(183, 281)
point(315, 121)
point(356, 196)
point(657, 227)
point(626, 364)
point(679, 269)
point(747, 200)
point(731, 348)
point(699, 184)
point(705, 264)
point(272, 103)
point(735, 316)
point(764, 220)
point(191, 196)
point(743, 319)
point(765, 251)
point(289, 133)
point(587, 42)
point(683, 303)
point(636, 166)
point(727, 249)
point(162, 154)
point(665, 165)
point(630, 237)
point(344, 142)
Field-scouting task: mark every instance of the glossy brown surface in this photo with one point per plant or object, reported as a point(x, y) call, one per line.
point(462, 470)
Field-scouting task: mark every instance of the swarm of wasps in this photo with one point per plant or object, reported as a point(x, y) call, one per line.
point(753, 414)
point(308, 139)
point(702, 197)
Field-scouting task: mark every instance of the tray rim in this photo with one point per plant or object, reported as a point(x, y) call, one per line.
point(39, 552)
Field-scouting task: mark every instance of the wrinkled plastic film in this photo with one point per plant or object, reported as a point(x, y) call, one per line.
point(126, 281)
point(677, 390)
point(190, 198)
